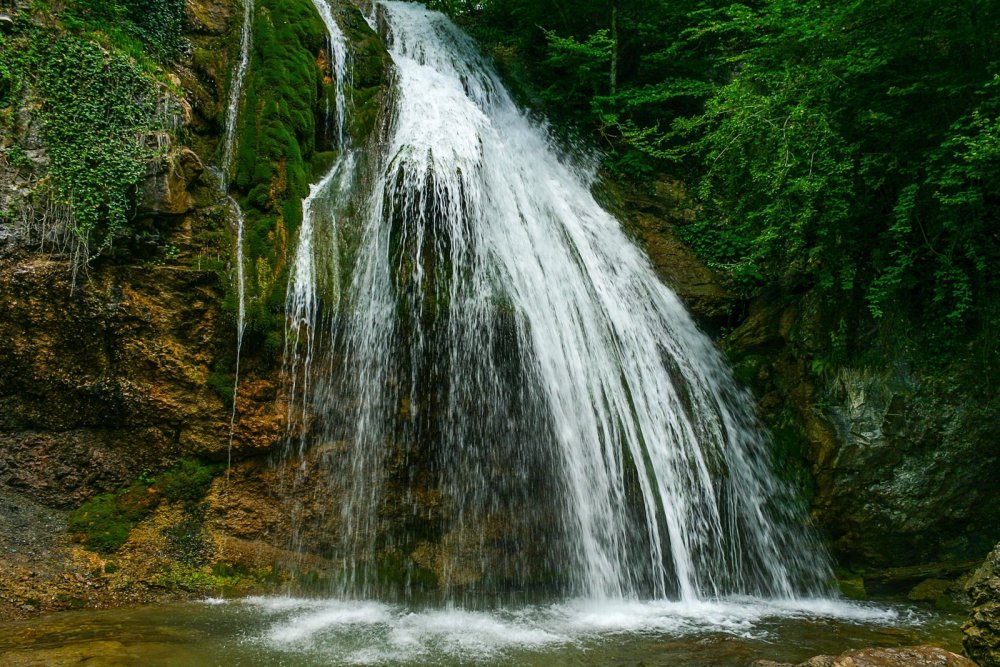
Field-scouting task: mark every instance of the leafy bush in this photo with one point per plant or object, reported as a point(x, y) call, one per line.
point(96, 110)
point(156, 23)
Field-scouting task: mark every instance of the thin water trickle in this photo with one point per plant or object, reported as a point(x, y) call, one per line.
point(235, 212)
point(512, 394)
point(235, 93)
point(241, 306)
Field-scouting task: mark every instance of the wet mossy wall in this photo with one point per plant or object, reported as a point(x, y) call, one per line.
point(284, 142)
point(283, 96)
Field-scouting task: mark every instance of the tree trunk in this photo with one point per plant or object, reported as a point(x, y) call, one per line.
point(613, 78)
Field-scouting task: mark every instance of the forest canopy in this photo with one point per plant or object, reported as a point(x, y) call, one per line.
point(852, 147)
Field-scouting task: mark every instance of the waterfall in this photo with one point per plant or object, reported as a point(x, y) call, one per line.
point(510, 397)
point(235, 92)
point(315, 270)
point(235, 212)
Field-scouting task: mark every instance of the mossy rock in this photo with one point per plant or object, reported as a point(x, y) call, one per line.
point(104, 522)
point(852, 586)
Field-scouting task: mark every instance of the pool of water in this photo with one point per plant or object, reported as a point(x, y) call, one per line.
point(294, 631)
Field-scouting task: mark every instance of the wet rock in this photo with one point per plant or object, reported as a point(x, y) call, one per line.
point(982, 629)
point(697, 286)
point(908, 656)
point(170, 186)
point(896, 459)
point(852, 587)
point(654, 217)
point(910, 480)
point(929, 590)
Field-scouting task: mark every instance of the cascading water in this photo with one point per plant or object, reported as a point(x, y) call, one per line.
point(511, 396)
point(315, 272)
point(236, 213)
point(235, 92)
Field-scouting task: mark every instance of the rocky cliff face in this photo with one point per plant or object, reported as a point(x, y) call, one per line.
point(113, 374)
point(897, 450)
point(110, 378)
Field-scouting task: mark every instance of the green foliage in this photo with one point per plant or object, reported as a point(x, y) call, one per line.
point(581, 67)
point(96, 109)
point(849, 147)
point(17, 158)
point(854, 152)
point(105, 521)
point(156, 24)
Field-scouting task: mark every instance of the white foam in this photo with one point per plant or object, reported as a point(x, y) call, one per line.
point(214, 602)
point(333, 615)
point(368, 632)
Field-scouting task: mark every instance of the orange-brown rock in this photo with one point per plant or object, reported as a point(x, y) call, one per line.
point(907, 656)
point(109, 377)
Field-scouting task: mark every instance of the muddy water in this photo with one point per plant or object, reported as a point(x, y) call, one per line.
point(286, 631)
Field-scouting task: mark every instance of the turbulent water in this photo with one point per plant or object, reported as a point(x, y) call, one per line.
point(509, 397)
point(291, 632)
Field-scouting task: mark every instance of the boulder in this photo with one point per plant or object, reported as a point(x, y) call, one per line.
point(982, 629)
point(170, 185)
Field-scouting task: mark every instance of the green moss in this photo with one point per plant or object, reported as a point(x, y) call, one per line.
point(365, 113)
point(104, 522)
point(222, 384)
point(322, 161)
point(852, 587)
point(276, 142)
point(371, 62)
point(283, 145)
point(186, 482)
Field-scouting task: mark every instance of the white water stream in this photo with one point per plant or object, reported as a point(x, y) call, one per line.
point(515, 391)
point(236, 213)
point(236, 92)
point(316, 271)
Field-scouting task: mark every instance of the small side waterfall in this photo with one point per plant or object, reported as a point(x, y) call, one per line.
point(315, 273)
point(235, 212)
point(509, 397)
point(236, 91)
